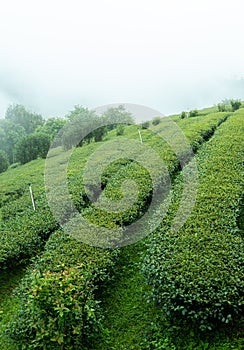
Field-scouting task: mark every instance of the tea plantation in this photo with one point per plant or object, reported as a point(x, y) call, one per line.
point(180, 287)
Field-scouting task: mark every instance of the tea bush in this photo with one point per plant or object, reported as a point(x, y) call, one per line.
point(59, 306)
point(197, 273)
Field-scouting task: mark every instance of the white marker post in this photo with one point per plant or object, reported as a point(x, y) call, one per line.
point(32, 198)
point(139, 132)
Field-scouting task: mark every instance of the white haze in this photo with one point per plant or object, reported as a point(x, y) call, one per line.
point(167, 55)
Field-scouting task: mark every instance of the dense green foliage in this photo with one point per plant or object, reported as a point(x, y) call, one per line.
point(18, 123)
point(51, 127)
point(156, 121)
point(145, 125)
point(24, 135)
point(193, 113)
point(17, 114)
point(120, 130)
point(22, 231)
point(58, 304)
point(4, 163)
point(116, 115)
point(85, 126)
point(183, 115)
point(196, 129)
point(235, 104)
point(60, 296)
point(31, 147)
point(229, 105)
point(10, 135)
point(197, 272)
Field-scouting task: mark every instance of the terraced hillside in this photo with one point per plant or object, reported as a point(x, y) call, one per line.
point(186, 281)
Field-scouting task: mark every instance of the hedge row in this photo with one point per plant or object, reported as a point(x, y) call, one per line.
point(126, 207)
point(59, 307)
point(23, 236)
point(197, 131)
point(197, 274)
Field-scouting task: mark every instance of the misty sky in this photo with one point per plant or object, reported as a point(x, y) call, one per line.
point(167, 55)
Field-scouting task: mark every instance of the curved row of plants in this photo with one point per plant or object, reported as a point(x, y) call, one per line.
point(197, 273)
point(23, 231)
point(197, 130)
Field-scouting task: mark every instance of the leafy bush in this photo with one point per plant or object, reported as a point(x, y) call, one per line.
point(183, 115)
point(197, 273)
point(156, 121)
point(193, 113)
point(145, 125)
point(235, 104)
point(222, 107)
point(24, 235)
point(120, 130)
point(32, 146)
point(59, 308)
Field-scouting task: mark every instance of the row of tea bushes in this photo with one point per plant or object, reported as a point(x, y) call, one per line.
point(197, 131)
point(23, 236)
point(59, 302)
point(201, 128)
point(197, 273)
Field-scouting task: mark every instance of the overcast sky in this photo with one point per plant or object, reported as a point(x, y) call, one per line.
point(167, 55)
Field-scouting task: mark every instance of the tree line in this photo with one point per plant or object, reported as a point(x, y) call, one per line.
point(26, 135)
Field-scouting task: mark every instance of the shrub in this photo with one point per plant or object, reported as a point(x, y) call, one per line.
point(222, 107)
point(193, 113)
point(145, 125)
point(156, 121)
point(183, 115)
point(59, 309)
point(120, 130)
point(235, 104)
point(31, 147)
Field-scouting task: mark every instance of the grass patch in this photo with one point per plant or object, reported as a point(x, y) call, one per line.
point(128, 316)
point(9, 303)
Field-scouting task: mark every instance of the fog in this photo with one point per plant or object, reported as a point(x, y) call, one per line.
point(169, 56)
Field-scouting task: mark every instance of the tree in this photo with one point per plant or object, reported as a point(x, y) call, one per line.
point(235, 104)
point(156, 121)
point(145, 125)
point(10, 135)
point(51, 127)
point(79, 128)
point(183, 115)
point(99, 133)
point(17, 114)
point(117, 115)
point(222, 107)
point(4, 163)
point(193, 113)
point(120, 130)
point(31, 147)
point(82, 127)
